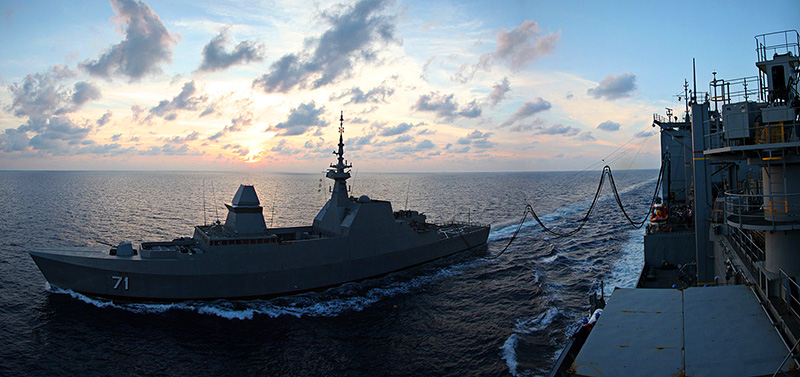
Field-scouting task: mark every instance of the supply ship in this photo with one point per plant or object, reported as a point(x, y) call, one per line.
point(719, 293)
point(350, 239)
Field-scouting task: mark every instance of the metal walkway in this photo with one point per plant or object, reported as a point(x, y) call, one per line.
point(714, 331)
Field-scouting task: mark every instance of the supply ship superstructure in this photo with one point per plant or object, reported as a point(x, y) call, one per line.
point(719, 293)
point(350, 239)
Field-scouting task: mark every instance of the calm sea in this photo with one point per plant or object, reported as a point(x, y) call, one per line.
point(464, 315)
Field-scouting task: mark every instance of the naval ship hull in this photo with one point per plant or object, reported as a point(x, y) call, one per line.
point(272, 269)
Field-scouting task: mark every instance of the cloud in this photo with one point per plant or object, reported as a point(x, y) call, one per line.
point(537, 123)
point(216, 58)
point(14, 140)
point(358, 143)
point(354, 35)
point(43, 94)
point(45, 100)
point(558, 129)
point(104, 119)
point(499, 91)
point(425, 144)
point(185, 100)
point(378, 94)
point(585, 136)
point(169, 149)
point(396, 130)
point(237, 124)
point(473, 110)
point(444, 106)
point(477, 139)
point(517, 47)
point(524, 44)
point(609, 126)
point(301, 119)
point(147, 44)
point(527, 109)
point(182, 139)
point(57, 135)
point(644, 134)
point(84, 92)
point(615, 87)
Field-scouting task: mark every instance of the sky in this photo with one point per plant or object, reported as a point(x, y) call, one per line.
point(423, 86)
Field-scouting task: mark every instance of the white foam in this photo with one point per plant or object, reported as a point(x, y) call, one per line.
point(509, 348)
point(625, 271)
point(537, 323)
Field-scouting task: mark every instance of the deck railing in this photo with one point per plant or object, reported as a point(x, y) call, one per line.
point(743, 207)
point(719, 136)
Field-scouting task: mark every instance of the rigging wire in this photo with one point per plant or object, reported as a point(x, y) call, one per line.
point(585, 219)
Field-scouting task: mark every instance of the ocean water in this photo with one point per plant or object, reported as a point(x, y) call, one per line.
point(464, 315)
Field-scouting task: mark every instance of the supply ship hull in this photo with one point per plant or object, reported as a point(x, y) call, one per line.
point(719, 293)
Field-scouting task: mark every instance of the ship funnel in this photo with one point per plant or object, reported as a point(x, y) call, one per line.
point(245, 215)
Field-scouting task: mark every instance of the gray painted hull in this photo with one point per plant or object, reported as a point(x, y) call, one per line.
point(244, 271)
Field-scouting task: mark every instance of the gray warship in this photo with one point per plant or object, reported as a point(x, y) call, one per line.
point(718, 294)
point(350, 239)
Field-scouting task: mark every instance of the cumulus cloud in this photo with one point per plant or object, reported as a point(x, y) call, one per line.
point(527, 109)
point(527, 126)
point(237, 124)
point(524, 44)
point(45, 100)
point(517, 47)
point(444, 106)
point(215, 56)
point(558, 129)
point(358, 143)
point(301, 119)
point(104, 119)
point(57, 135)
point(354, 35)
point(425, 144)
point(614, 87)
point(45, 94)
point(182, 139)
point(476, 139)
point(585, 136)
point(170, 149)
point(609, 126)
point(378, 94)
point(499, 91)
point(644, 134)
point(396, 130)
point(84, 92)
point(185, 100)
point(147, 44)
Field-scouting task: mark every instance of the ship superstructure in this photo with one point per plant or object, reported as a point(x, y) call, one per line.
point(719, 292)
point(350, 239)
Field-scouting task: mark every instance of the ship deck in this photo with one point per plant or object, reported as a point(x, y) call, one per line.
point(713, 331)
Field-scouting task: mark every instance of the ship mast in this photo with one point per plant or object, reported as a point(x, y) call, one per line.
point(337, 172)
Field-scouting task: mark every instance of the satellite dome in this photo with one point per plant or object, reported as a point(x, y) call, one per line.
point(363, 199)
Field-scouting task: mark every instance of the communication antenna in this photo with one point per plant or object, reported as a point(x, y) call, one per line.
point(216, 213)
point(694, 78)
point(274, 193)
point(205, 222)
